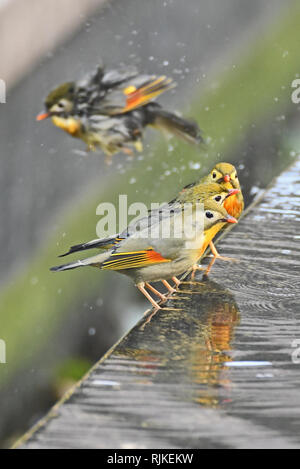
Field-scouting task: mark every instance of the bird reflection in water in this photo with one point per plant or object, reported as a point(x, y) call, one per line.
point(188, 346)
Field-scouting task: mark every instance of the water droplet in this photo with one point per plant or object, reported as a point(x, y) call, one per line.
point(99, 302)
point(194, 165)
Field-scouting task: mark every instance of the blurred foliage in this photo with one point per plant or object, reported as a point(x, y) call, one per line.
point(68, 373)
point(34, 305)
point(72, 369)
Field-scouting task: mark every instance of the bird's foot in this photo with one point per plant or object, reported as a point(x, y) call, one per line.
point(156, 292)
point(176, 281)
point(128, 151)
point(141, 287)
point(169, 288)
point(216, 255)
point(194, 270)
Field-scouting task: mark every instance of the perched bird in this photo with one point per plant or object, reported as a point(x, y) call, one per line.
point(225, 188)
point(226, 175)
point(147, 258)
point(110, 109)
point(199, 193)
point(202, 192)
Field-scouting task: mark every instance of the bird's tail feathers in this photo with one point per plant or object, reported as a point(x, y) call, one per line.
point(71, 266)
point(106, 243)
point(95, 261)
point(187, 130)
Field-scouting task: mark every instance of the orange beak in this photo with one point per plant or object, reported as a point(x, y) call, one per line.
point(231, 219)
point(42, 116)
point(227, 178)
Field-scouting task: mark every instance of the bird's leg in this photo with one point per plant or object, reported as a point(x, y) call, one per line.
point(217, 255)
point(168, 286)
point(156, 292)
point(210, 265)
point(141, 287)
point(128, 151)
point(194, 270)
point(176, 281)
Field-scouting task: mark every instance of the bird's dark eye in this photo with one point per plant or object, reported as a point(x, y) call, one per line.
point(236, 176)
point(214, 175)
point(209, 215)
point(218, 198)
point(60, 104)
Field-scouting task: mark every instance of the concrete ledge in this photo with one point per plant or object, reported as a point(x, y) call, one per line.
point(29, 29)
point(213, 369)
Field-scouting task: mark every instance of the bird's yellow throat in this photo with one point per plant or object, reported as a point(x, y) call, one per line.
point(70, 125)
point(209, 235)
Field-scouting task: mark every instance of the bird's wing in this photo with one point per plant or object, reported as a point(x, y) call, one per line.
point(133, 260)
point(165, 236)
point(131, 94)
point(113, 78)
point(123, 127)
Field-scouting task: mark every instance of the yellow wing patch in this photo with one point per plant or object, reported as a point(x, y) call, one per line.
point(129, 90)
point(132, 260)
point(137, 97)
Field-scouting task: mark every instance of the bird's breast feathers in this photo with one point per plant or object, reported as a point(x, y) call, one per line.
point(68, 124)
point(234, 206)
point(208, 237)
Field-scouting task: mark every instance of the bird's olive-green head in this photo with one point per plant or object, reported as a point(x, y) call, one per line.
point(59, 102)
point(211, 191)
point(225, 173)
point(215, 214)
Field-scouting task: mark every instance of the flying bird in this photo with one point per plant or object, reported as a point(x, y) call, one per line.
point(110, 110)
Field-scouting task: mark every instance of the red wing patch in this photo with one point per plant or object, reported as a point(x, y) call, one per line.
point(141, 96)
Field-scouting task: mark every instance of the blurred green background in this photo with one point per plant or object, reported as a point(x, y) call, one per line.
point(234, 62)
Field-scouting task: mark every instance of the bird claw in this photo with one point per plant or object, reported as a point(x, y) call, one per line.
point(164, 299)
point(195, 268)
